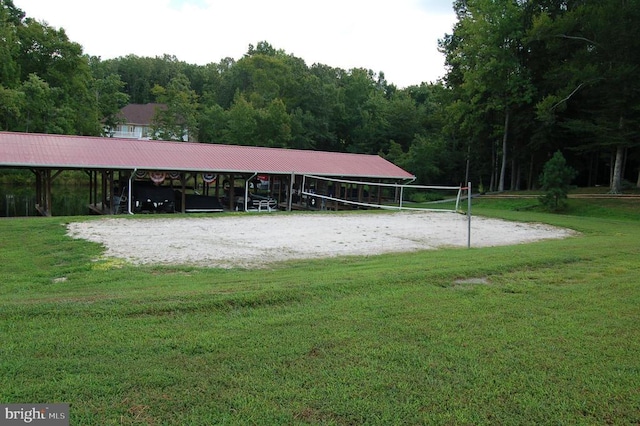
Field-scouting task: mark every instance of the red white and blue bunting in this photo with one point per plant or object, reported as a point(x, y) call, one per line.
point(157, 177)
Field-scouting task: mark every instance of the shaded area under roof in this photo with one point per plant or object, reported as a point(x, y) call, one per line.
point(31, 150)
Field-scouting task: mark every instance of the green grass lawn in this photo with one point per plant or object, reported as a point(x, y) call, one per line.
point(548, 333)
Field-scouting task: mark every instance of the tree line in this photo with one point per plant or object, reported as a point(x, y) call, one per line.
point(532, 77)
point(524, 80)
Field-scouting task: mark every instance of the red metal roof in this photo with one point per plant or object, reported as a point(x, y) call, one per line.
point(81, 152)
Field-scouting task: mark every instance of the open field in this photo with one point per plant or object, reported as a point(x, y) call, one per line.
point(538, 333)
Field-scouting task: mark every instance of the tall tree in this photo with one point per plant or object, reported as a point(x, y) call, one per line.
point(274, 125)
point(110, 100)
point(212, 124)
point(359, 110)
point(11, 98)
point(178, 121)
point(485, 56)
point(10, 19)
point(242, 123)
point(49, 54)
point(39, 113)
point(12, 105)
point(594, 88)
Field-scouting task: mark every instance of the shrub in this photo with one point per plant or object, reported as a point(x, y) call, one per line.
point(555, 181)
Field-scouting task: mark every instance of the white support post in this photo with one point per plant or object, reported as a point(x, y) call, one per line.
point(458, 198)
point(129, 189)
point(302, 189)
point(469, 215)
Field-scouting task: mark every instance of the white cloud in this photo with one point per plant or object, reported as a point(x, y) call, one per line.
point(397, 37)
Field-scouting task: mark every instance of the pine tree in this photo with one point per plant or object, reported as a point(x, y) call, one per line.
point(555, 181)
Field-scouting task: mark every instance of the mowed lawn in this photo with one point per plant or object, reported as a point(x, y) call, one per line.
point(542, 333)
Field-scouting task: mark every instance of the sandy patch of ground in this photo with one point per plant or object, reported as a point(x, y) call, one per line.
point(261, 239)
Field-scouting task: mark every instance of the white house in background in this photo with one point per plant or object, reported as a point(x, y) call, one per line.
point(137, 121)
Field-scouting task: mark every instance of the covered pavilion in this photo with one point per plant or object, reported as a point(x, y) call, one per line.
point(113, 164)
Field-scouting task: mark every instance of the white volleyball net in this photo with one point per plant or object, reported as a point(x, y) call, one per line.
point(322, 193)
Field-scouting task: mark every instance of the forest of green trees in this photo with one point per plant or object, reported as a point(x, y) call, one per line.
point(525, 78)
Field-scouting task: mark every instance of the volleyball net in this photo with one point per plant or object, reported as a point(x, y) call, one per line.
point(323, 193)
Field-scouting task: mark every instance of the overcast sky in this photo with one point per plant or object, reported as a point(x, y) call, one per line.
point(397, 37)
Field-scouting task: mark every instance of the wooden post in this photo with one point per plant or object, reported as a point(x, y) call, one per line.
point(232, 192)
point(48, 203)
point(105, 178)
point(90, 173)
point(183, 190)
point(38, 188)
point(95, 188)
point(291, 185)
point(41, 197)
point(112, 207)
point(280, 187)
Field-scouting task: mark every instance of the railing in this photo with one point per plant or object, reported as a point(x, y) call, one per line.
point(128, 135)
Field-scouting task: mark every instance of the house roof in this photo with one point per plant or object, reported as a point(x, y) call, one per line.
point(140, 114)
point(31, 150)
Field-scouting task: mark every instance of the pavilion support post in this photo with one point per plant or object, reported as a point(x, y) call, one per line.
point(104, 188)
point(232, 192)
point(94, 188)
point(48, 201)
point(130, 191)
point(38, 188)
point(111, 192)
point(97, 187)
point(43, 191)
point(323, 188)
point(115, 188)
point(280, 186)
point(88, 172)
point(205, 187)
point(183, 190)
point(292, 182)
point(50, 179)
point(272, 180)
point(331, 189)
